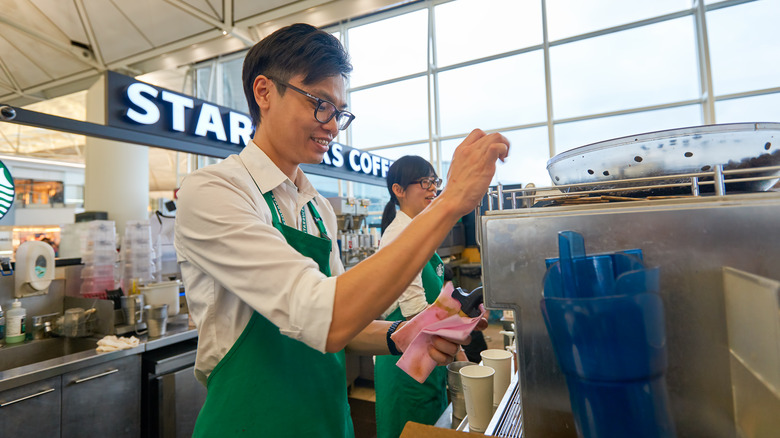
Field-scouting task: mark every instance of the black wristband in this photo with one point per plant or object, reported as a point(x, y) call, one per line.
point(390, 344)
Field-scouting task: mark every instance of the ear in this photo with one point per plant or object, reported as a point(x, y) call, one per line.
point(398, 191)
point(262, 91)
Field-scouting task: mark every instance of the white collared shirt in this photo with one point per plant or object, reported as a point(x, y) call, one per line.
point(233, 261)
point(412, 301)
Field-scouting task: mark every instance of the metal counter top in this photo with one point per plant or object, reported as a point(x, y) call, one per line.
point(177, 331)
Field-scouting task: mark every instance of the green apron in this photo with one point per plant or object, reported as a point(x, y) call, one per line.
point(270, 385)
point(399, 398)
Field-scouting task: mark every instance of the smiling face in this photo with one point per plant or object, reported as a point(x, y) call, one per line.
point(289, 134)
point(414, 198)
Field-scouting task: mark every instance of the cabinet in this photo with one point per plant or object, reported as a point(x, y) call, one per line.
point(103, 400)
point(31, 410)
point(172, 397)
point(98, 401)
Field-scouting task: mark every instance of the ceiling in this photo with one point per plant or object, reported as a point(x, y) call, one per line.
point(54, 48)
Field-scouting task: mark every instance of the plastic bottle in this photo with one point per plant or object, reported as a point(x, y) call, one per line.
point(15, 328)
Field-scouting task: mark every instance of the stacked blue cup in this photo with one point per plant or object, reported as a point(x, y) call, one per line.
point(606, 322)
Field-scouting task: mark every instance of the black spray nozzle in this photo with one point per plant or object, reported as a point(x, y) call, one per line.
point(469, 301)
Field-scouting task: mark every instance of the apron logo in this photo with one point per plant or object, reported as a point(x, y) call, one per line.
point(440, 270)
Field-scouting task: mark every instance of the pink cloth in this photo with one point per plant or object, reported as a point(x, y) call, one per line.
point(442, 318)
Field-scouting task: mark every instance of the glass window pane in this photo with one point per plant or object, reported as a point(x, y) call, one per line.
point(574, 17)
point(649, 65)
point(389, 48)
point(744, 44)
point(328, 187)
point(393, 113)
point(203, 88)
point(575, 134)
point(504, 92)
point(471, 29)
point(233, 86)
point(378, 195)
point(527, 160)
point(764, 108)
point(395, 153)
point(447, 150)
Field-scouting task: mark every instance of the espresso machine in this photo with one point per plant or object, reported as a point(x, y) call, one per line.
point(700, 204)
point(355, 240)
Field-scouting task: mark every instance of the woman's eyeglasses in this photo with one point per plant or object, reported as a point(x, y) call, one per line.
point(426, 183)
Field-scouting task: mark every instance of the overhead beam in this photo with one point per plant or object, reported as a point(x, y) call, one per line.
point(225, 26)
point(53, 43)
point(93, 42)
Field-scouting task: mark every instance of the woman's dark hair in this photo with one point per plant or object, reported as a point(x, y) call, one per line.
point(403, 172)
point(293, 50)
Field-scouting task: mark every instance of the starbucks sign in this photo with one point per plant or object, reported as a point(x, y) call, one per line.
point(6, 189)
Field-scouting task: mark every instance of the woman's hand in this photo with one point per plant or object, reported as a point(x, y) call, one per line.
point(445, 351)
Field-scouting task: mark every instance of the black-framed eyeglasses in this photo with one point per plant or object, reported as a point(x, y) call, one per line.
point(426, 183)
point(325, 110)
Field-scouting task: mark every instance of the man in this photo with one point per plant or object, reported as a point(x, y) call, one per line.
point(256, 245)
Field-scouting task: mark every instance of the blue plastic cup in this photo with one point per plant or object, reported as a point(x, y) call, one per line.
point(605, 319)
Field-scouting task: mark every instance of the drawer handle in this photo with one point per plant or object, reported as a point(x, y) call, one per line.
point(2, 405)
point(115, 370)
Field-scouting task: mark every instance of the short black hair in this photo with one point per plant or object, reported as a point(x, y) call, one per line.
point(403, 171)
point(293, 50)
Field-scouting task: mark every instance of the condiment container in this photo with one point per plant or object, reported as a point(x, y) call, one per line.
point(16, 318)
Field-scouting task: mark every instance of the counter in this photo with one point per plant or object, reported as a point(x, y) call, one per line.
point(177, 331)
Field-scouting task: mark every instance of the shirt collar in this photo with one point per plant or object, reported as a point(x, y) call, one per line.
point(268, 176)
point(402, 217)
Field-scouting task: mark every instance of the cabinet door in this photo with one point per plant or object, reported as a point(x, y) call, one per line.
point(179, 398)
point(103, 400)
point(32, 410)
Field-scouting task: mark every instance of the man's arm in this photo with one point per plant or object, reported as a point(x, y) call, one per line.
point(373, 341)
point(365, 291)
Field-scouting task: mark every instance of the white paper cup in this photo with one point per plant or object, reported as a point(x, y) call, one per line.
point(477, 384)
point(501, 361)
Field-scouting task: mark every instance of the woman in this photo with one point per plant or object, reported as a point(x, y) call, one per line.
point(412, 183)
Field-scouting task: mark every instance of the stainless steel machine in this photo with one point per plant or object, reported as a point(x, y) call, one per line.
point(722, 335)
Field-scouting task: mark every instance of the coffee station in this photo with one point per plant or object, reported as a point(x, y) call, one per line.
point(356, 241)
point(128, 356)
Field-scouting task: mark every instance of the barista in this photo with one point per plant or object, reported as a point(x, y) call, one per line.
point(257, 250)
point(412, 183)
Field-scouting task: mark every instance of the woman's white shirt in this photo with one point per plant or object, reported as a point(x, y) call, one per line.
point(234, 262)
point(412, 301)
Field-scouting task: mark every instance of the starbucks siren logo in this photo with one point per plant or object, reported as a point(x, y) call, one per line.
point(6, 189)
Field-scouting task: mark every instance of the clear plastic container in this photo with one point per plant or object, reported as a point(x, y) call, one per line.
point(99, 258)
point(97, 284)
point(91, 271)
point(166, 292)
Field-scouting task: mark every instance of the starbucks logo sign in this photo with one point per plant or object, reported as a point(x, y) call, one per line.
point(6, 189)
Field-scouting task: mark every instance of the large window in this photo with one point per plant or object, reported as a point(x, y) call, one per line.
point(603, 69)
point(427, 73)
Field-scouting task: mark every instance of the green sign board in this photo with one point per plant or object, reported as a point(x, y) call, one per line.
point(6, 190)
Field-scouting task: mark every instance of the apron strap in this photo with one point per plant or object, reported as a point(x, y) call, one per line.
point(318, 221)
point(268, 196)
